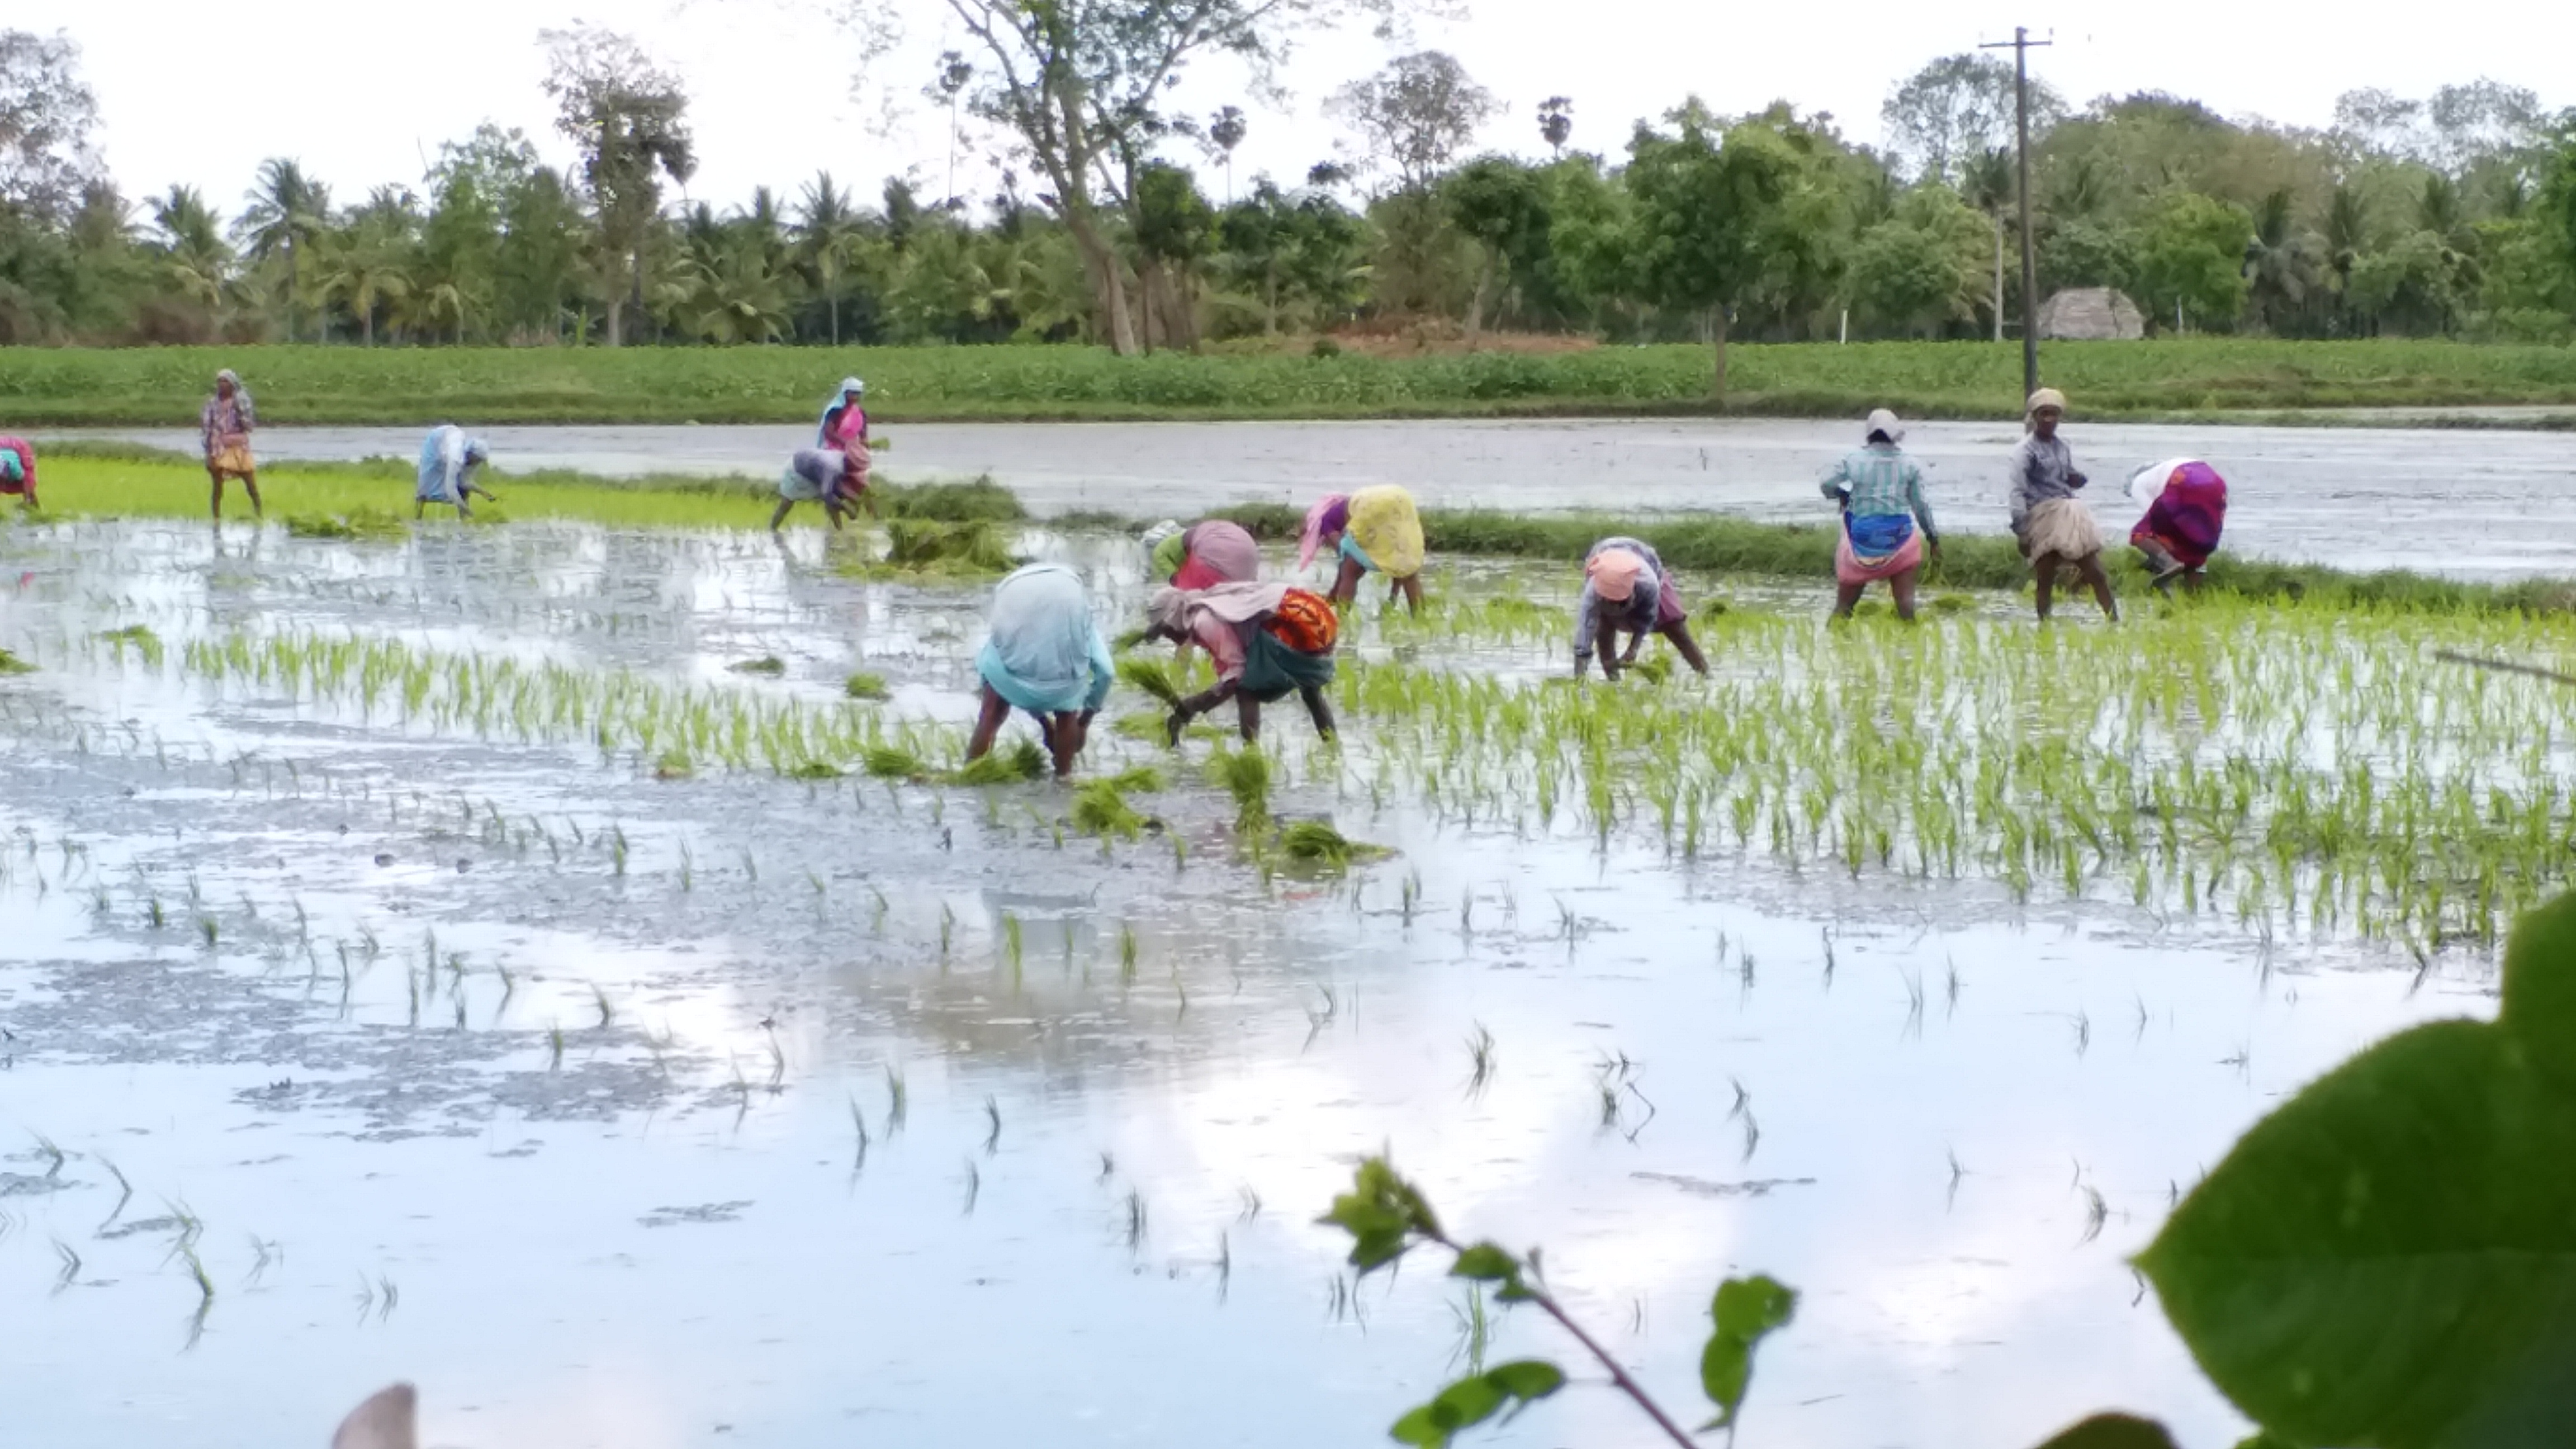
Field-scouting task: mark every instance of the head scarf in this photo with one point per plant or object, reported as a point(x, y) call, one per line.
point(228, 375)
point(850, 385)
point(1614, 573)
point(1155, 535)
point(477, 451)
point(1331, 514)
point(1884, 422)
point(2046, 397)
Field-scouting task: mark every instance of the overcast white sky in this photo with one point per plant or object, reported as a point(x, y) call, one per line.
point(363, 92)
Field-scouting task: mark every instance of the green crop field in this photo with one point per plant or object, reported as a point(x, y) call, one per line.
point(45, 387)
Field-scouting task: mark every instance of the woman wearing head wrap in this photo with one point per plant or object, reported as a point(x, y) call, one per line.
point(844, 430)
point(814, 475)
point(224, 425)
point(1881, 493)
point(1375, 530)
point(18, 471)
point(2186, 511)
point(1045, 656)
point(1266, 640)
point(1625, 587)
point(448, 459)
point(1205, 554)
point(2053, 528)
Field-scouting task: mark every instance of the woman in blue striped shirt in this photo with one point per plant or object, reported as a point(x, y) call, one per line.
point(1881, 492)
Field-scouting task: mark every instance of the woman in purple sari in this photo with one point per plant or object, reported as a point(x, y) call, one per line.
point(2186, 511)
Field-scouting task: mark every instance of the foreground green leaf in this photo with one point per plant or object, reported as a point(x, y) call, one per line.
point(2112, 1431)
point(1476, 1398)
point(2389, 1259)
point(1746, 1311)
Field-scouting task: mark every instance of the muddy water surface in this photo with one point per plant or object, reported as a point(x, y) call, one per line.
point(571, 1092)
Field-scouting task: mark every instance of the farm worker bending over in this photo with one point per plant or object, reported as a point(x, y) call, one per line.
point(224, 425)
point(2186, 511)
point(1266, 640)
point(448, 459)
point(1881, 492)
point(18, 470)
point(1625, 587)
point(844, 430)
point(1203, 555)
point(1044, 655)
point(1375, 530)
point(2052, 527)
point(815, 475)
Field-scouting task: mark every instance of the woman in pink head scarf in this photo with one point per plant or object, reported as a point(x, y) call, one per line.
point(1625, 587)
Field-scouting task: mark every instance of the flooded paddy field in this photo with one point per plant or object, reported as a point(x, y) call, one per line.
point(436, 959)
point(2485, 505)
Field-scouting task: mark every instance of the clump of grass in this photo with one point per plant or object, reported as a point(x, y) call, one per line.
point(1138, 780)
point(864, 685)
point(1316, 840)
point(355, 524)
point(1152, 676)
point(1245, 774)
point(1100, 809)
point(891, 762)
point(815, 770)
point(950, 549)
point(674, 765)
point(768, 664)
point(1022, 761)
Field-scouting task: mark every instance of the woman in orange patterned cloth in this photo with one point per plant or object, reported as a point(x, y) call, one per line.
point(1267, 641)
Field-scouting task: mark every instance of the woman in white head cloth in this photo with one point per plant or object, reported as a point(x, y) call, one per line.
point(223, 427)
point(448, 459)
point(2053, 528)
point(1881, 493)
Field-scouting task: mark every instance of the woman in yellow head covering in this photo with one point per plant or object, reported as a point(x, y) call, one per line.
point(1374, 531)
point(2054, 529)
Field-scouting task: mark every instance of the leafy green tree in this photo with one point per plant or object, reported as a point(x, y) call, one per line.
point(1958, 108)
point(2413, 285)
point(369, 263)
point(1501, 205)
point(542, 231)
point(1556, 124)
point(47, 115)
point(1925, 268)
point(1990, 183)
point(828, 229)
point(1175, 232)
point(2192, 253)
point(628, 118)
point(1412, 117)
point(2285, 269)
point(1704, 202)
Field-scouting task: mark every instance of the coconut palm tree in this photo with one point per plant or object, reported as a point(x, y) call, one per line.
point(287, 215)
point(828, 227)
point(190, 244)
point(2283, 263)
point(1986, 183)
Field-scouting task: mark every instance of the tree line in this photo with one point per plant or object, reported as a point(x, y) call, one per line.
point(2449, 215)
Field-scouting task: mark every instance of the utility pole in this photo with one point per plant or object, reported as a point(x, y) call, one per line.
point(2021, 44)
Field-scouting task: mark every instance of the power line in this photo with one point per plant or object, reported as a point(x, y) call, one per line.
point(2021, 44)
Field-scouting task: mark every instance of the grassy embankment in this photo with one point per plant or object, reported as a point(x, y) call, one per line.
point(2199, 377)
point(112, 482)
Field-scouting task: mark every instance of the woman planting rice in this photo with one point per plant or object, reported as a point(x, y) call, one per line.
point(224, 425)
point(816, 475)
point(844, 430)
point(1625, 587)
point(18, 471)
point(448, 459)
point(1045, 656)
point(1375, 530)
point(1266, 640)
point(2052, 527)
point(1207, 553)
point(2186, 511)
point(1881, 492)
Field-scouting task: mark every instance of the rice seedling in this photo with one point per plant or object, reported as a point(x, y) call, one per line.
point(768, 666)
point(1319, 842)
point(1135, 1219)
point(1100, 809)
point(12, 664)
point(1480, 1060)
point(1149, 676)
point(974, 1187)
point(898, 1099)
point(1245, 774)
point(53, 1156)
point(673, 765)
point(1138, 780)
point(1126, 953)
point(607, 1011)
point(863, 685)
point(70, 1265)
point(892, 762)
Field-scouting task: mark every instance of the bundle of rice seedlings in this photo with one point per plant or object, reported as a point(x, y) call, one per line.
point(1153, 676)
point(673, 765)
point(1952, 603)
point(864, 685)
point(769, 664)
point(815, 770)
point(1022, 761)
point(1245, 773)
point(1655, 669)
point(12, 664)
point(1099, 809)
point(1316, 840)
point(1141, 779)
point(888, 762)
point(921, 546)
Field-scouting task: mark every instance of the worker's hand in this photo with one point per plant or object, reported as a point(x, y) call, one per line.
point(2075, 479)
